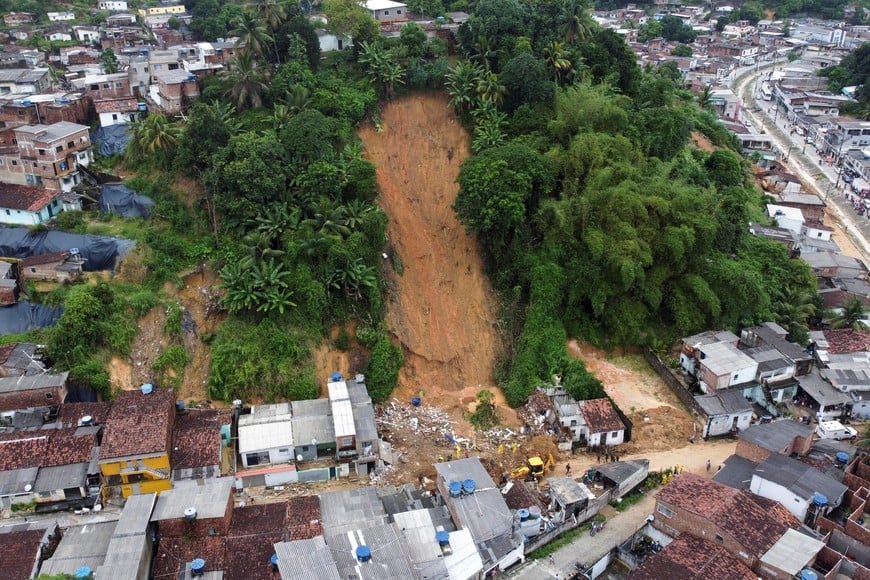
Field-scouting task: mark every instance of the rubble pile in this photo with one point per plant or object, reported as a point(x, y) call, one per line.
point(535, 413)
point(424, 420)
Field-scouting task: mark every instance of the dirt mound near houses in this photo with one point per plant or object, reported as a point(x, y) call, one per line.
point(440, 306)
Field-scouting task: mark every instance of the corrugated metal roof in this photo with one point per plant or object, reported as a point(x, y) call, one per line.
point(388, 557)
point(135, 515)
point(364, 422)
point(259, 437)
point(12, 481)
point(419, 533)
point(85, 545)
point(310, 408)
point(266, 414)
point(465, 561)
point(568, 490)
point(307, 429)
point(61, 477)
point(208, 496)
point(793, 552)
point(349, 509)
point(30, 382)
point(337, 391)
point(306, 560)
point(342, 418)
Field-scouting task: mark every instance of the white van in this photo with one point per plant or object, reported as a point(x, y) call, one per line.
point(835, 430)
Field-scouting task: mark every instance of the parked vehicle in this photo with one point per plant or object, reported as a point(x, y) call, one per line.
point(835, 430)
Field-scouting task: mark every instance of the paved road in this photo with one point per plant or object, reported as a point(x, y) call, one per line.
point(804, 161)
point(586, 548)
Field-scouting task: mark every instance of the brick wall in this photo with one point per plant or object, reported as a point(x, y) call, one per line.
point(686, 522)
point(751, 451)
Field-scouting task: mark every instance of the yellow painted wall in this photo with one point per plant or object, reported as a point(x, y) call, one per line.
point(152, 486)
point(155, 10)
point(114, 468)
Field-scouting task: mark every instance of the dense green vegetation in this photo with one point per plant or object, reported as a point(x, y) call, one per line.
point(593, 211)
point(853, 70)
point(596, 216)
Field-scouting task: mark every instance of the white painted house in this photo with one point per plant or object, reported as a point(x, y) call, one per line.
point(795, 484)
point(722, 365)
point(113, 5)
point(117, 111)
point(266, 435)
point(602, 424)
point(387, 10)
point(60, 16)
point(790, 218)
point(723, 413)
point(26, 206)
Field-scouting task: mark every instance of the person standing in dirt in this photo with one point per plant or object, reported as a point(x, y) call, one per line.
point(708, 465)
point(567, 469)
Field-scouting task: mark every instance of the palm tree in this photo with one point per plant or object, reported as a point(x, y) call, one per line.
point(248, 82)
point(575, 23)
point(490, 90)
point(557, 57)
point(328, 220)
point(462, 85)
point(852, 315)
point(273, 14)
point(227, 115)
point(155, 134)
point(297, 98)
point(793, 311)
point(253, 35)
point(705, 97)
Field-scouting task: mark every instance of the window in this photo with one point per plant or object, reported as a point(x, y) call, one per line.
point(20, 111)
point(614, 434)
point(258, 458)
point(399, 11)
point(105, 85)
point(71, 144)
point(114, 117)
point(95, 87)
point(119, 85)
point(668, 513)
point(346, 441)
point(58, 149)
point(41, 151)
point(719, 538)
point(14, 162)
point(49, 396)
point(285, 450)
point(8, 212)
point(386, 12)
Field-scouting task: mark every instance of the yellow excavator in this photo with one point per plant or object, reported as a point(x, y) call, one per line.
point(536, 468)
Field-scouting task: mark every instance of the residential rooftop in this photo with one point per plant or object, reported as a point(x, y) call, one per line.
point(20, 551)
point(723, 403)
point(689, 557)
point(753, 520)
point(33, 382)
point(197, 438)
point(139, 424)
point(600, 416)
point(53, 132)
point(208, 496)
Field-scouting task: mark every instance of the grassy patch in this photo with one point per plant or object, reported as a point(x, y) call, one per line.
point(560, 542)
point(174, 358)
point(628, 501)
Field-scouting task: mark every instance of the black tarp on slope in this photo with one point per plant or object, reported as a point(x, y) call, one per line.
point(99, 252)
point(23, 316)
point(120, 199)
point(112, 139)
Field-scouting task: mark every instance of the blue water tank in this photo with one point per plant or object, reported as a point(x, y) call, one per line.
point(442, 537)
point(197, 567)
point(83, 572)
point(142, 106)
point(363, 553)
point(523, 514)
point(147, 388)
point(807, 574)
point(274, 561)
point(468, 486)
point(179, 405)
point(27, 102)
point(63, 100)
point(416, 401)
point(820, 500)
point(842, 457)
point(335, 377)
point(455, 488)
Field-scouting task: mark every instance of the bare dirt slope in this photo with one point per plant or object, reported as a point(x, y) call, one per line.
point(440, 307)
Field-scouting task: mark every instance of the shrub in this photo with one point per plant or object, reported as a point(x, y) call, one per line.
point(174, 357)
point(382, 371)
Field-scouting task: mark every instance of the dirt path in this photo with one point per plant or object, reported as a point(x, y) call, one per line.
point(440, 306)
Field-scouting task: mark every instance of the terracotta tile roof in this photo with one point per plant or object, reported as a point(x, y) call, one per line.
point(519, 496)
point(44, 259)
point(71, 413)
point(757, 523)
point(600, 416)
point(116, 105)
point(24, 197)
point(691, 558)
point(197, 438)
point(250, 556)
point(18, 552)
point(47, 448)
point(139, 424)
point(173, 553)
point(846, 341)
point(303, 517)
